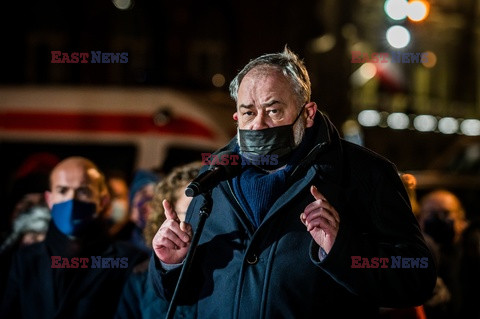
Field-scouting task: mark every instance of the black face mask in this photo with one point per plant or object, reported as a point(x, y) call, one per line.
point(278, 141)
point(440, 229)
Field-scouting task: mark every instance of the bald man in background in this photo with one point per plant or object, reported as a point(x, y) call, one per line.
point(78, 271)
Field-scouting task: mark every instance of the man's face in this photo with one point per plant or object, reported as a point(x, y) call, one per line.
point(73, 181)
point(441, 206)
point(445, 207)
point(265, 99)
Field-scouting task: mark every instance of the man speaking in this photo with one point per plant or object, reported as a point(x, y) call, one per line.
point(281, 236)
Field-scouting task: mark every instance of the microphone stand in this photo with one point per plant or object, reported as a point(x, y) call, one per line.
point(204, 213)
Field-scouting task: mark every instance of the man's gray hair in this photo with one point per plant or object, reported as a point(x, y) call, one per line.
point(289, 64)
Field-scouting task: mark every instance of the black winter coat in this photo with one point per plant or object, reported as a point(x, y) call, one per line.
point(36, 290)
point(274, 271)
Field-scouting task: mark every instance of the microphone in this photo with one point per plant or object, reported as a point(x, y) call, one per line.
point(216, 173)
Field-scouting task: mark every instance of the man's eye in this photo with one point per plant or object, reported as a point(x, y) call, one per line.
point(275, 114)
point(84, 192)
point(248, 113)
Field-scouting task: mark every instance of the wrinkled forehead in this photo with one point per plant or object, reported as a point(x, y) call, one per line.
point(264, 71)
point(265, 84)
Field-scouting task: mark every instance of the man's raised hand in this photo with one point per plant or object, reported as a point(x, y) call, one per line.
point(322, 220)
point(172, 240)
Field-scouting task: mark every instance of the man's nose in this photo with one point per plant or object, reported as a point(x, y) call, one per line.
point(259, 122)
point(68, 195)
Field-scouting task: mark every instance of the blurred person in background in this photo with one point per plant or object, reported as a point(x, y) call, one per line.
point(30, 180)
point(141, 192)
point(28, 214)
point(418, 312)
point(117, 213)
point(138, 299)
point(77, 271)
point(29, 226)
point(442, 218)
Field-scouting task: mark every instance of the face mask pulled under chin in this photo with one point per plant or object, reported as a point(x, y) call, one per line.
point(278, 141)
point(73, 217)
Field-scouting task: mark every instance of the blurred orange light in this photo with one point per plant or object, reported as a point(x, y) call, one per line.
point(418, 10)
point(429, 59)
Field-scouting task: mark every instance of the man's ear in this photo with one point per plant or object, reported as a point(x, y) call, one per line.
point(311, 110)
point(48, 198)
point(235, 116)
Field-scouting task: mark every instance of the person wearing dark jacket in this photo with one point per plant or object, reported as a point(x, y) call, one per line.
point(312, 227)
point(77, 271)
point(138, 298)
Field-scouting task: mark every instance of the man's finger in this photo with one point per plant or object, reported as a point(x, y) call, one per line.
point(316, 194)
point(169, 211)
point(319, 196)
point(185, 227)
point(179, 238)
point(323, 213)
point(321, 223)
point(321, 205)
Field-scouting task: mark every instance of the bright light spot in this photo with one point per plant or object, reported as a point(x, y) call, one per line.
point(123, 4)
point(368, 70)
point(448, 125)
point(425, 123)
point(218, 80)
point(324, 43)
point(369, 118)
point(398, 36)
point(352, 132)
point(396, 9)
point(363, 74)
point(470, 127)
point(418, 10)
point(351, 127)
point(429, 59)
point(398, 121)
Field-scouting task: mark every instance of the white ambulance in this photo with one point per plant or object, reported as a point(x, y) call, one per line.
point(119, 127)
